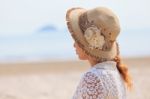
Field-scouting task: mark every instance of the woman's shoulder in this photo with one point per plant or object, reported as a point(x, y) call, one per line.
point(91, 72)
point(92, 75)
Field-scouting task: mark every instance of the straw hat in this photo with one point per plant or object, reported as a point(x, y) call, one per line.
point(95, 31)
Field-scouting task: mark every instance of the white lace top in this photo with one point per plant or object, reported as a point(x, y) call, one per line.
point(102, 81)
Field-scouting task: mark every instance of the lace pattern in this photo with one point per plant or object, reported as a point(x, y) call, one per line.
point(101, 82)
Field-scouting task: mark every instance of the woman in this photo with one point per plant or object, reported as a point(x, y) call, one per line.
point(95, 32)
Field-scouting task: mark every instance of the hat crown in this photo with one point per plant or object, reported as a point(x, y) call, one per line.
point(105, 19)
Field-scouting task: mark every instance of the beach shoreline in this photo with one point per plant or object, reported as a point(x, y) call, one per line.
point(60, 66)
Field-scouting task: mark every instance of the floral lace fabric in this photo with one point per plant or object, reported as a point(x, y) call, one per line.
point(102, 81)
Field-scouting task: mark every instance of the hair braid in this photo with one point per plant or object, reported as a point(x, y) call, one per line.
point(123, 70)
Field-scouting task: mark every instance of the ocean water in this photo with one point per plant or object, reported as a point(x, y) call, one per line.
point(58, 45)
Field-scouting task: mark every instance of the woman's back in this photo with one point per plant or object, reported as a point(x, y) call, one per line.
point(102, 81)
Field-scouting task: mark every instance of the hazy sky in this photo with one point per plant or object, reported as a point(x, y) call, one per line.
point(19, 17)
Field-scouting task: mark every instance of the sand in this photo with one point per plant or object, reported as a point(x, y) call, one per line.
point(58, 80)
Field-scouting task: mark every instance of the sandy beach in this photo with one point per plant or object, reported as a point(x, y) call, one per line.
point(58, 80)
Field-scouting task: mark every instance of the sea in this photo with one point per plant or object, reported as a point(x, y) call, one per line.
point(57, 45)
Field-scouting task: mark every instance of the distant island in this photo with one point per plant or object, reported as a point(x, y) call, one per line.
point(47, 28)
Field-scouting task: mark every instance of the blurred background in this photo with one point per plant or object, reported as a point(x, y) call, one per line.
point(37, 54)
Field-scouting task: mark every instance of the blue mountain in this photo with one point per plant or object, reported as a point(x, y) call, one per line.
point(47, 28)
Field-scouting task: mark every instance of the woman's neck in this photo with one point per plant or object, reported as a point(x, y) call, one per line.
point(92, 62)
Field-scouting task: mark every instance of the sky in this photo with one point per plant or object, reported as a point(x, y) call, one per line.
point(22, 17)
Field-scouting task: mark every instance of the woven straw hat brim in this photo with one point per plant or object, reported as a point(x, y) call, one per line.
point(72, 18)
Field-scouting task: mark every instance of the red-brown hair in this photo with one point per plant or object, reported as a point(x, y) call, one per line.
point(123, 70)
